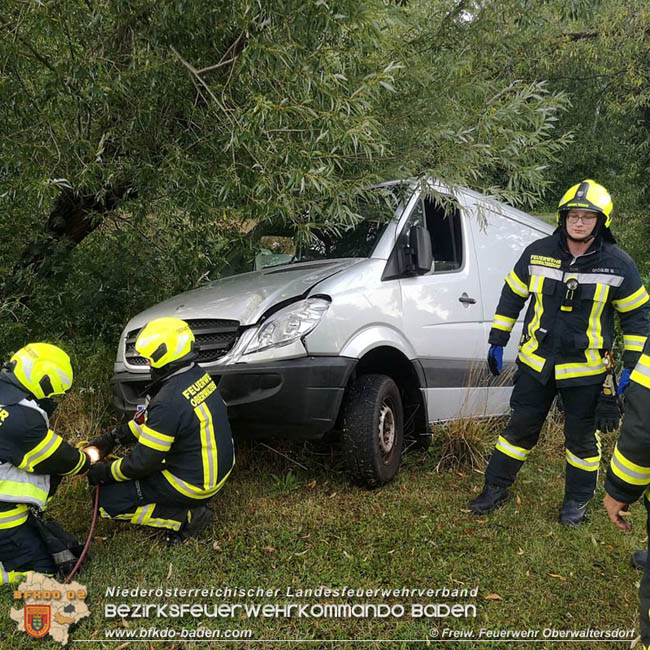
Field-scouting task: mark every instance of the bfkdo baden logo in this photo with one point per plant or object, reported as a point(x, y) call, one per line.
point(50, 607)
point(38, 619)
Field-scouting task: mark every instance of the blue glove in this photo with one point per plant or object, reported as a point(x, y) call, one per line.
point(495, 359)
point(624, 380)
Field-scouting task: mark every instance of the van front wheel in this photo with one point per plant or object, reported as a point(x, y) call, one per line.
point(373, 430)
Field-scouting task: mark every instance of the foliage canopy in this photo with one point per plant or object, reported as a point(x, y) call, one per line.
point(141, 137)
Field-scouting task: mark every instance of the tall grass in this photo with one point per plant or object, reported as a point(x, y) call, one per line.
point(466, 443)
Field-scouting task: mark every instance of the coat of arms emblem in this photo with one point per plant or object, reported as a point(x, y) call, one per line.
point(37, 620)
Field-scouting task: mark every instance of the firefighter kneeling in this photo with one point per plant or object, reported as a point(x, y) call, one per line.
point(33, 459)
point(183, 449)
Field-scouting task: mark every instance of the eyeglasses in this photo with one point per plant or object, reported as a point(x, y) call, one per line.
point(574, 218)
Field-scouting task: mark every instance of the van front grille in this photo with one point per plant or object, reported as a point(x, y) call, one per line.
point(215, 337)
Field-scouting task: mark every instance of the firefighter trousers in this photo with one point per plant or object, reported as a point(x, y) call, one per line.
point(36, 545)
point(644, 591)
point(530, 403)
point(22, 549)
point(151, 501)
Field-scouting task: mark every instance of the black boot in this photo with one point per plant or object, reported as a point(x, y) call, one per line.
point(492, 497)
point(573, 513)
point(200, 518)
point(639, 560)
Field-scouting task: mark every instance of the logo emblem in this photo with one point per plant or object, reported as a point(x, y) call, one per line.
point(580, 193)
point(38, 619)
point(140, 414)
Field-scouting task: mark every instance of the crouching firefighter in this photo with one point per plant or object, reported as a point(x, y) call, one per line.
point(183, 450)
point(628, 476)
point(575, 279)
point(33, 459)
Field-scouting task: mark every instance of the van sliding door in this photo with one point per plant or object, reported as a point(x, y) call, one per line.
point(500, 238)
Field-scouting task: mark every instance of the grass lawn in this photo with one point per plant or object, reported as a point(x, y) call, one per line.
point(280, 526)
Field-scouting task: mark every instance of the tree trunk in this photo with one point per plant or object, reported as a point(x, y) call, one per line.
point(73, 217)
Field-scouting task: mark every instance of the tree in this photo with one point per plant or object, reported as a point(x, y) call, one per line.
point(140, 136)
point(598, 53)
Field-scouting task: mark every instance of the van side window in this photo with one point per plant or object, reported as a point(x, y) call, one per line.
point(446, 235)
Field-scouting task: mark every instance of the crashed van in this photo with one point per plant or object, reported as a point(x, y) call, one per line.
point(372, 333)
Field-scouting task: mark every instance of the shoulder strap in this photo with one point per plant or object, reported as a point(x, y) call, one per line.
point(31, 404)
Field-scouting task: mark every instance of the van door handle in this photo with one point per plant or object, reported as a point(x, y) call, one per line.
point(466, 300)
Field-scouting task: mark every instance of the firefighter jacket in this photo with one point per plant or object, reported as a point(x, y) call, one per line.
point(183, 433)
point(570, 317)
point(29, 453)
point(628, 475)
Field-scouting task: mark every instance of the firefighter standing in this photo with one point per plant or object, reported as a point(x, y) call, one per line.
point(628, 476)
point(575, 278)
point(183, 449)
point(32, 459)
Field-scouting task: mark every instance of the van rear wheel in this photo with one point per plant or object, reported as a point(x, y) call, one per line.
point(373, 430)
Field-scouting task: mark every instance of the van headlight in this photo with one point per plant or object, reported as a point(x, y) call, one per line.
point(288, 324)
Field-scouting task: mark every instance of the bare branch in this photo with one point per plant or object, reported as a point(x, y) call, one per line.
point(234, 48)
point(197, 75)
point(210, 68)
point(279, 453)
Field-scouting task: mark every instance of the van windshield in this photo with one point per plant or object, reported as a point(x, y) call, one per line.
point(354, 241)
point(269, 244)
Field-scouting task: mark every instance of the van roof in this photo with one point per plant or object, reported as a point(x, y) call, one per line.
point(502, 208)
point(511, 213)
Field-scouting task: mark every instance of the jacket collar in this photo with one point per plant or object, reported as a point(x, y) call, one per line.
point(561, 238)
point(154, 387)
point(12, 390)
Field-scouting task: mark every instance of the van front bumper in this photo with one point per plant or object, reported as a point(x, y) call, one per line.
point(296, 398)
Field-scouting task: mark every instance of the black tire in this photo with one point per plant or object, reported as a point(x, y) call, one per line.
point(373, 430)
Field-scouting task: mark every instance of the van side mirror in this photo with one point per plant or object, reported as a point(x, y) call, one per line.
point(420, 250)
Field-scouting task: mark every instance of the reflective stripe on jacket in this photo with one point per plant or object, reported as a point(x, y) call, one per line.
point(184, 434)
point(30, 452)
point(628, 476)
point(570, 317)
point(20, 486)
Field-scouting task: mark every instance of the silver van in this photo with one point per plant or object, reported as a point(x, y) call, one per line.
point(376, 332)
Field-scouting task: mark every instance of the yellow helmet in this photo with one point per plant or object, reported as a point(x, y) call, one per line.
point(164, 340)
point(43, 369)
point(587, 195)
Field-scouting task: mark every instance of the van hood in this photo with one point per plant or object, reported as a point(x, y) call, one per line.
point(245, 297)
